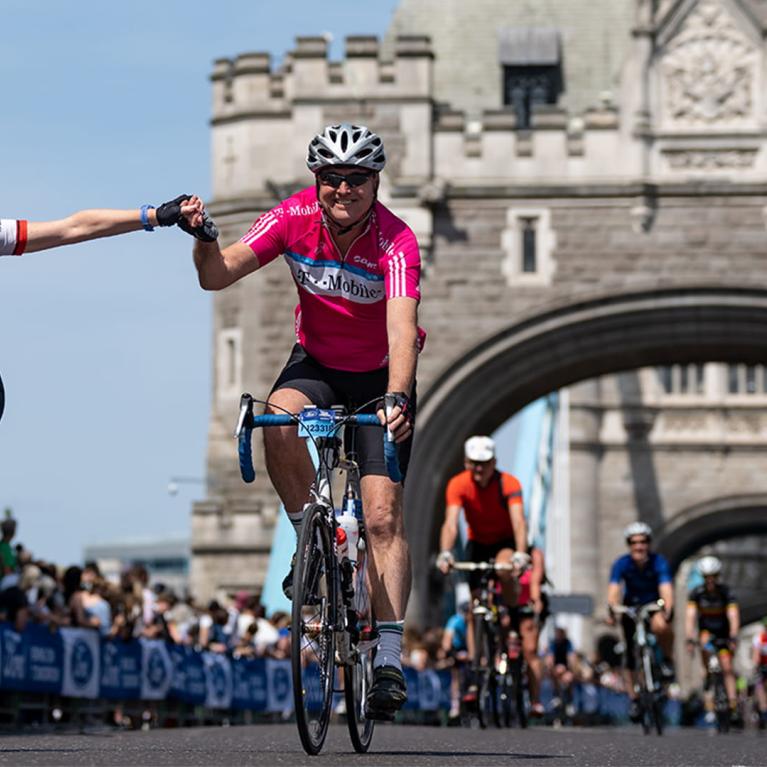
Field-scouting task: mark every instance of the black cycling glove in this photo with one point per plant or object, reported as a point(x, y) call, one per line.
point(169, 213)
point(207, 232)
point(401, 400)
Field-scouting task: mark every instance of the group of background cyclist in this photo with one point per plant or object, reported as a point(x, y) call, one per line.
point(495, 529)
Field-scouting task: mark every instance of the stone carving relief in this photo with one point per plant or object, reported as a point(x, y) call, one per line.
point(710, 159)
point(709, 70)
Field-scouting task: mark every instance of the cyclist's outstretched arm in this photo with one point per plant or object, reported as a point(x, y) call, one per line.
point(218, 269)
point(20, 236)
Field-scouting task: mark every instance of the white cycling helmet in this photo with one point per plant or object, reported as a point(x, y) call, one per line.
point(637, 528)
point(346, 144)
point(709, 566)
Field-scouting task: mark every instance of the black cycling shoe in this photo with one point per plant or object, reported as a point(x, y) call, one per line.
point(287, 581)
point(387, 694)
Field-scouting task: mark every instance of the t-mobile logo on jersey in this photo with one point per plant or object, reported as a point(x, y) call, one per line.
point(333, 280)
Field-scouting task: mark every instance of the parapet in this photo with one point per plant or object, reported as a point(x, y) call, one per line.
point(250, 85)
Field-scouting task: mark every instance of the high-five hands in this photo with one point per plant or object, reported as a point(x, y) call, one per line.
point(188, 212)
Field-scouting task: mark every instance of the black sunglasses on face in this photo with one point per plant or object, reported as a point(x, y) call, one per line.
point(639, 542)
point(336, 179)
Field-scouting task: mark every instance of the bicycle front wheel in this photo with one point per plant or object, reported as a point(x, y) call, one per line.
point(359, 677)
point(312, 629)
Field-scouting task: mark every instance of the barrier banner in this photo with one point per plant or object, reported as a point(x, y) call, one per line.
point(120, 670)
point(30, 661)
point(156, 669)
point(413, 688)
point(249, 684)
point(279, 685)
point(218, 680)
point(429, 690)
point(188, 683)
point(82, 663)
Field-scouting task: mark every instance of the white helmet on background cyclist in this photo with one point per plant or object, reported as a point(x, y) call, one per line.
point(346, 144)
point(709, 565)
point(637, 528)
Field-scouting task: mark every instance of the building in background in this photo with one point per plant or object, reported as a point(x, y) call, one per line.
point(586, 180)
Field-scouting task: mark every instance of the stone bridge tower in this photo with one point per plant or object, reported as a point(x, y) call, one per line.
point(588, 192)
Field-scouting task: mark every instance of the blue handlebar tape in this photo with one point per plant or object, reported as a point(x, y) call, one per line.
point(391, 456)
point(367, 419)
point(273, 420)
point(246, 456)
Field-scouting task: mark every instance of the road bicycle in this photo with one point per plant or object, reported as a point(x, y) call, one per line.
point(714, 683)
point(332, 620)
point(648, 686)
point(498, 674)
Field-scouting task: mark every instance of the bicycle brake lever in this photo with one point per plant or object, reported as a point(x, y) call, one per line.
point(246, 409)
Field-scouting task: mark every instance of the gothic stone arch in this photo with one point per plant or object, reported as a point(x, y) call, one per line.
point(556, 348)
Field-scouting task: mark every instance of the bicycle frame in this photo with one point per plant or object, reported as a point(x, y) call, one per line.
point(336, 609)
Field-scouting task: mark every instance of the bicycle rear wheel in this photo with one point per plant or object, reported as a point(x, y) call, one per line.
point(721, 705)
point(312, 629)
point(519, 693)
point(359, 677)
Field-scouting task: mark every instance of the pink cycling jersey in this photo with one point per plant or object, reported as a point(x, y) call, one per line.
point(341, 314)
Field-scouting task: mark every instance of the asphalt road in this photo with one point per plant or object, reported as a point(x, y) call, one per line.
point(392, 745)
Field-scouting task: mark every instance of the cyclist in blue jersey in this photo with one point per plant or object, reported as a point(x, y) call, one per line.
point(455, 647)
point(636, 578)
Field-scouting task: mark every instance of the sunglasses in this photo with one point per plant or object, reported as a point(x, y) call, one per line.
point(336, 179)
point(639, 542)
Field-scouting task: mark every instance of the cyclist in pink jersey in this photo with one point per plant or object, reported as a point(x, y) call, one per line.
point(356, 267)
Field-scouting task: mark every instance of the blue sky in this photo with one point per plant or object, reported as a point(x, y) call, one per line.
point(105, 346)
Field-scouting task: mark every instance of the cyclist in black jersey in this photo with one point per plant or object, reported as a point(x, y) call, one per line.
point(713, 615)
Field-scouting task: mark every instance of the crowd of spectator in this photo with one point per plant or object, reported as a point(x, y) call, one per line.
point(37, 591)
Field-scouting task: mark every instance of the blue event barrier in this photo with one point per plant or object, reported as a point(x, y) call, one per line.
point(80, 663)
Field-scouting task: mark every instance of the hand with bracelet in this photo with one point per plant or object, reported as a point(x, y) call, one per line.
point(18, 236)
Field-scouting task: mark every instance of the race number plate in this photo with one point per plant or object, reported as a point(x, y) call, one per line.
point(315, 423)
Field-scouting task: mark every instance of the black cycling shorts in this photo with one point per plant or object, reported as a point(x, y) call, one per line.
point(326, 387)
point(484, 552)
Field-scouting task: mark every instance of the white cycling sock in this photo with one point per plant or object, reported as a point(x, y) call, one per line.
point(389, 650)
point(296, 519)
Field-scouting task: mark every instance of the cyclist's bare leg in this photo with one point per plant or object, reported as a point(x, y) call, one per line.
point(725, 658)
point(389, 570)
point(288, 461)
point(663, 633)
point(760, 690)
point(528, 630)
point(507, 579)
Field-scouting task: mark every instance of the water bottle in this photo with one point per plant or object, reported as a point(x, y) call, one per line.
point(348, 522)
point(342, 544)
point(353, 505)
